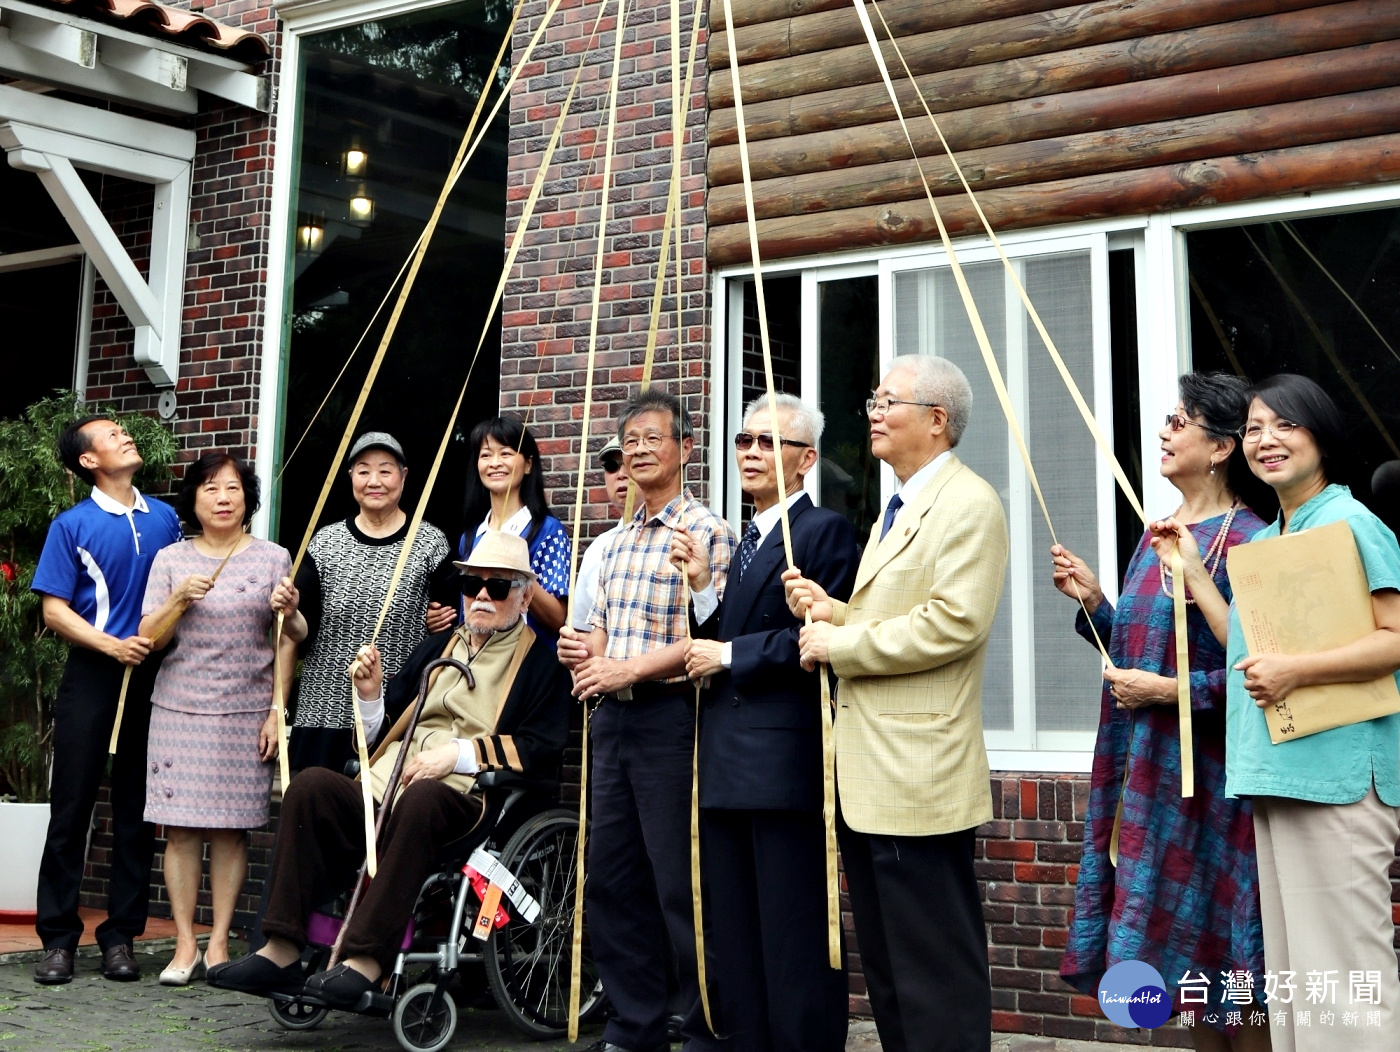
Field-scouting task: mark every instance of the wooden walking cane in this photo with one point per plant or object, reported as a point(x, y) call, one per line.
point(160, 630)
point(576, 944)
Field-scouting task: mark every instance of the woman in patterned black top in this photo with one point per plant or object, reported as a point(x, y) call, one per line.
point(343, 581)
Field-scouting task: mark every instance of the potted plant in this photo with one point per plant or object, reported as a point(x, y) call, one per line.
point(34, 488)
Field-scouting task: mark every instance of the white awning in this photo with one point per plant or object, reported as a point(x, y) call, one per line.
point(53, 138)
point(63, 50)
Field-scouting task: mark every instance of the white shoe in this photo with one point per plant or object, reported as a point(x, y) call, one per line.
point(173, 976)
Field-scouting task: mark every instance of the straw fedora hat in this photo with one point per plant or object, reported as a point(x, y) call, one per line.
point(498, 550)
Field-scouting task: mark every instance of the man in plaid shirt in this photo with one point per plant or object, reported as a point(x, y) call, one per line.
point(638, 893)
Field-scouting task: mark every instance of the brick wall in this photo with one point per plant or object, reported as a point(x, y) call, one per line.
point(225, 273)
point(547, 306)
point(1027, 865)
point(99, 861)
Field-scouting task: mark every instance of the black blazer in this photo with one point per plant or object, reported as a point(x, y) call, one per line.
point(760, 723)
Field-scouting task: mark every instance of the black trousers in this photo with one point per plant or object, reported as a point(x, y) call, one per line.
point(83, 715)
point(637, 894)
point(771, 985)
point(922, 941)
point(321, 846)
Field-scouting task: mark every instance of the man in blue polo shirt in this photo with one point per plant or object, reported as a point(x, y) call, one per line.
point(92, 575)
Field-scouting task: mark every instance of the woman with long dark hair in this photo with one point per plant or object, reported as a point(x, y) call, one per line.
point(1183, 893)
point(505, 490)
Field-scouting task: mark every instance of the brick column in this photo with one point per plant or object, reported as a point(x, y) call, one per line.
point(544, 337)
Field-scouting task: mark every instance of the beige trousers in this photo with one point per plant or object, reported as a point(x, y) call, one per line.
point(1324, 895)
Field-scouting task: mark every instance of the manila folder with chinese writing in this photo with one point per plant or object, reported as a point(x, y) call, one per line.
point(1301, 593)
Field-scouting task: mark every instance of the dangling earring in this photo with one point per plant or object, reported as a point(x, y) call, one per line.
point(1212, 467)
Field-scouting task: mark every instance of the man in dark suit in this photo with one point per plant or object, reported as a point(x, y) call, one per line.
point(762, 838)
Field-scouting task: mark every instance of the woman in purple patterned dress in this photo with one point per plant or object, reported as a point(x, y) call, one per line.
point(1184, 896)
point(213, 732)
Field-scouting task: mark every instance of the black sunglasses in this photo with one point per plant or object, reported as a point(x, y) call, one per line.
point(612, 465)
point(743, 440)
point(496, 587)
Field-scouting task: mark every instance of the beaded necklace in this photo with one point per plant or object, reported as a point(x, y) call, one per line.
point(1213, 555)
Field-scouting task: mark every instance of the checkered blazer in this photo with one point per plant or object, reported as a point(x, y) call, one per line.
point(909, 648)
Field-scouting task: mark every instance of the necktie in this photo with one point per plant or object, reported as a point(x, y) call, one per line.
point(890, 512)
point(748, 548)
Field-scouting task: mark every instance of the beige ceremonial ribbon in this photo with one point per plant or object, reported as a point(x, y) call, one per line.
point(464, 154)
point(1100, 439)
point(526, 215)
point(697, 900)
point(361, 740)
point(833, 882)
point(680, 107)
point(160, 630)
point(279, 704)
point(576, 958)
point(420, 248)
point(1183, 682)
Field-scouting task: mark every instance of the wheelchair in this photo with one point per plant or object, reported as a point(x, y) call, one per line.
point(523, 844)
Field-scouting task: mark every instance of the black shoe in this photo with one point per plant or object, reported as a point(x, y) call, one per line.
point(55, 969)
point(118, 964)
point(254, 974)
point(342, 986)
point(608, 1046)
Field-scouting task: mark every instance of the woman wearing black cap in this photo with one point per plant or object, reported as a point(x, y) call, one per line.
point(343, 581)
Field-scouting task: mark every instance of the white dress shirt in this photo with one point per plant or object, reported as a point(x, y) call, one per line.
point(590, 568)
point(910, 490)
point(706, 601)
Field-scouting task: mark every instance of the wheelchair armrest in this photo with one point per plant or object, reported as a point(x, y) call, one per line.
point(512, 780)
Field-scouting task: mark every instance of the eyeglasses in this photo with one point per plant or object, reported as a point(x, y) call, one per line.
point(743, 440)
point(496, 587)
point(1177, 422)
point(651, 442)
point(1280, 429)
point(883, 405)
point(612, 465)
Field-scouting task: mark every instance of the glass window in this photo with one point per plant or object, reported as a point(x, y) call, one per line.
point(1314, 296)
point(848, 342)
point(1041, 685)
point(383, 106)
point(39, 300)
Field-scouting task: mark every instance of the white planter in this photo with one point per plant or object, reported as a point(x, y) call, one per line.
point(22, 831)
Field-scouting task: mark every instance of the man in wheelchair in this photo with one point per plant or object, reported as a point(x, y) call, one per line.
point(509, 712)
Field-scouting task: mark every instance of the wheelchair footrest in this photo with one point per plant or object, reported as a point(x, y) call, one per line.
point(371, 1003)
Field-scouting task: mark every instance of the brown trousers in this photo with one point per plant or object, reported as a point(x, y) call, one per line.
point(321, 846)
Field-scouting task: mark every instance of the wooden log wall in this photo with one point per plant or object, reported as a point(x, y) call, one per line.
point(1056, 112)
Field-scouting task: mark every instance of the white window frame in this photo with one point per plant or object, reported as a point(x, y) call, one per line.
point(300, 18)
point(1164, 353)
point(1025, 512)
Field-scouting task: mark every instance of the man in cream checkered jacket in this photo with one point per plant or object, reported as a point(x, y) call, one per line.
point(912, 774)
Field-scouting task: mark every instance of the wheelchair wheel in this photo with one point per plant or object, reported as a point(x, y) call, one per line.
point(528, 965)
point(422, 1026)
point(293, 1015)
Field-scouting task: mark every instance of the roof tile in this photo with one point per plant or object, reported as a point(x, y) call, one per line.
point(174, 23)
